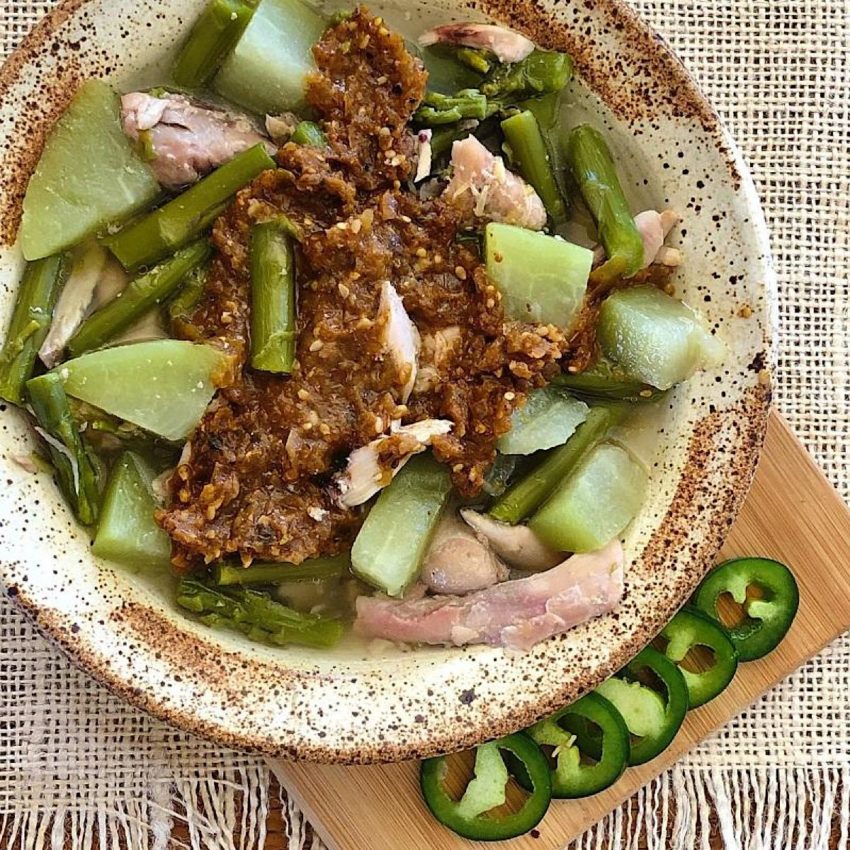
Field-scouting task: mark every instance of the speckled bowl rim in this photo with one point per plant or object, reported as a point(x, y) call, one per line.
point(750, 421)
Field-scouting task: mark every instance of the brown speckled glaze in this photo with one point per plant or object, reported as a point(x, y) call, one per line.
point(348, 706)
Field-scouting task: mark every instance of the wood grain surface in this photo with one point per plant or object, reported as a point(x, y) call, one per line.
point(791, 514)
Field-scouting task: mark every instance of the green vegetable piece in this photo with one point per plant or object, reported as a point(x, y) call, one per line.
point(530, 154)
point(226, 574)
point(186, 217)
point(257, 616)
point(273, 331)
point(127, 531)
point(653, 719)
point(309, 133)
point(526, 495)
point(77, 470)
point(594, 504)
point(767, 617)
point(549, 418)
point(499, 474)
point(437, 109)
point(604, 380)
point(570, 778)
point(392, 542)
point(140, 295)
point(689, 629)
point(469, 816)
point(480, 61)
point(88, 176)
point(267, 70)
point(541, 278)
point(183, 304)
point(213, 36)
point(447, 72)
point(163, 386)
point(539, 73)
point(31, 318)
point(655, 338)
point(593, 168)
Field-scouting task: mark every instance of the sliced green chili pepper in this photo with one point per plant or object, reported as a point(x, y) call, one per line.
point(688, 629)
point(652, 719)
point(470, 816)
point(567, 729)
point(766, 618)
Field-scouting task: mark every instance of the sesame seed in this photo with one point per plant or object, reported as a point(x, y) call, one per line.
point(421, 252)
point(325, 428)
point(342, 225)
point(438, 258)
point(457, 467)
point(460, 272)
point(645, 393)
point(390, 153)
point(344, 291)
point(509, 396)
point(356, 225)
point(316, 344)
point(303, 394)
point(396, 184)
point(307, 426)
point(381, 80)
point(490, 303)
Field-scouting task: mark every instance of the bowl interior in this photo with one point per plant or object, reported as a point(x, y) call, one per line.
point(358, 703)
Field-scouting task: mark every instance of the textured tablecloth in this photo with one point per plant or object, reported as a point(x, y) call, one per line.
point(76, 761)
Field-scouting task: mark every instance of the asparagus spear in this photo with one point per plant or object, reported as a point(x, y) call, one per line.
point(309, 133)
point(272, 297)
point(528, 150)
point(77, 470)
point(593, 168)
point(187, 216)
point(188, 296)
point(30, 322)
point(256, 615)
point(141, 294)
point(524, 497)
point(225, 574)
point(212, 38)
point(539, 73)
point(477, 60)
point(439, 108)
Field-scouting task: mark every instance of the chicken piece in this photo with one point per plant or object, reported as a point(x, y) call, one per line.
point(281, 127)
point(437, 353)
point(186, 140)
point(457, 562)
point(74, 303)
point(507, 45)
point(514, 614)
point(518, 545)
point(400, 337)
point(373, 466)
point(483, 188)
point(653, 228)
point(423, 156)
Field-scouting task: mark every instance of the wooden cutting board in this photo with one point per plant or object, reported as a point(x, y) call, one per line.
point(792, 514)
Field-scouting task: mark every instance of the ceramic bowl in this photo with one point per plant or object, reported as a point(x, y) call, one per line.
point(349, 705)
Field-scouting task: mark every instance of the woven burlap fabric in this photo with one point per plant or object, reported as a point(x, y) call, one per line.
point(76, 761)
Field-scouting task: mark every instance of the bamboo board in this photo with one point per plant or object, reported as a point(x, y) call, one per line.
point(792, 514)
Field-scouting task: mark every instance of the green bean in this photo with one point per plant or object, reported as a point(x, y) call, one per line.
point(189, 295)
point(539, 73)
point(273, 331)
point(227, 574)
point(523, 498)
point(77, 470)
point(528, 151)
point(256, 615)
point(188, 215)
point(592, 166)
point(213, 36)
point(141, 294)
point(439, 108)
point(30, 322)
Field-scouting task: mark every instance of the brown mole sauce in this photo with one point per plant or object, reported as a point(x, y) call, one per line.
point(256, 478)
